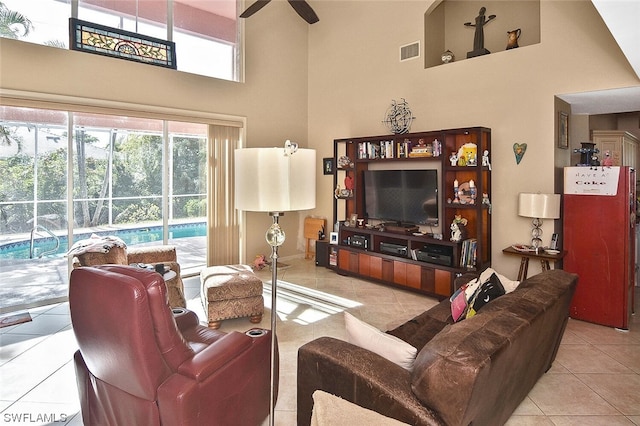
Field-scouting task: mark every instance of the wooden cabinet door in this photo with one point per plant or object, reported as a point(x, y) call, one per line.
point(353, 262)
point(348, 261)
point(364, 264)
point(428, 279)
point(414, 276)
point(408, 274)
point(443, 282)
point(399, 272)
point(375, 267)
point(387, 270)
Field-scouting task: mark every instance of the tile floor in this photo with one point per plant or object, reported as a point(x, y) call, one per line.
point(595, 379)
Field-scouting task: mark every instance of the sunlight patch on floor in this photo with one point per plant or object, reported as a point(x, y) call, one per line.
point(305, 306)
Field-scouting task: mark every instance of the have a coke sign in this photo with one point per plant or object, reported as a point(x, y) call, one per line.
point(591, 180)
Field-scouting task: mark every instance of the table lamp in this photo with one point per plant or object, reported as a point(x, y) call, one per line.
point(539, 207)
point(275, 180)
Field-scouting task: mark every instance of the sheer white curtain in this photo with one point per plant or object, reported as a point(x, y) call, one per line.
point(223, 226)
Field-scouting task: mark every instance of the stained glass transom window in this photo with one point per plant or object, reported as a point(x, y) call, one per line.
point(88, 37)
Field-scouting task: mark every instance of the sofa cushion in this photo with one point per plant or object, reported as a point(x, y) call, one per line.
point(459, 304)
point(331, 410)
point(368, 337)
point(460, 300)
point(467, 300)
point(488, 291)
point(509, 285)
point(422, 328)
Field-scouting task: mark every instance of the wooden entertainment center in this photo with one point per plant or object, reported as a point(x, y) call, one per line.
point(423, 260)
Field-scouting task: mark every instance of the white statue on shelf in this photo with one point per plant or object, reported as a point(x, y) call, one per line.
point(456, 233)
point(485, 159)
point(453, 158)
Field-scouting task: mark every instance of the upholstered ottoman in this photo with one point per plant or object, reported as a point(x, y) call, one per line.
point(231, 291)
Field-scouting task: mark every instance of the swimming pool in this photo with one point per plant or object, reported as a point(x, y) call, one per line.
point(131, 236)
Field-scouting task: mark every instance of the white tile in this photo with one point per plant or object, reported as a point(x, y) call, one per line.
point(594, 380)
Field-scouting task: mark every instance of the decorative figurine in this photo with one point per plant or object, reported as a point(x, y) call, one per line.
point(447, 56)
point(436, 147)
point(457, 228)
point(512, 38)
point(471, 159)
point(348, 182)
point(485, 159)
point(478, 38)
point(588, 155)
point(473, 190)
point(456, 233)
point(486, 201)
point(453, 158)
point(337, 192)
point(607, 161)
point(470, 153)
point(456, 198)
point(259, 262)
point(462, 160)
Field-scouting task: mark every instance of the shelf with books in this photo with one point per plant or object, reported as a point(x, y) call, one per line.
point(463, 189)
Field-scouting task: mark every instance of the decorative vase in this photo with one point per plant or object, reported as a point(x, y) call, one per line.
point(512, 38)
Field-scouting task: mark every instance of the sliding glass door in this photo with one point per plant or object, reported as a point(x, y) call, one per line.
point(141, 180)
point(33, 205)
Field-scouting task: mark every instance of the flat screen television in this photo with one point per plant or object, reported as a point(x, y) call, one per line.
point(402, 196)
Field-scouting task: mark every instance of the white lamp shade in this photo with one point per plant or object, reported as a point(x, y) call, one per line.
point(540, 206)
point(267, 180)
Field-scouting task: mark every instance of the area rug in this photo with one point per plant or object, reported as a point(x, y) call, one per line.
point(13, 319)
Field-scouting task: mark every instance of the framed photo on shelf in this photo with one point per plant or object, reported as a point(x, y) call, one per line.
point(563, 130)
point(353, 220)
point(333, 238)
point(327, 166)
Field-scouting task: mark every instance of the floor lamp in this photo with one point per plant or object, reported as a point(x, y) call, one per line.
point(275, 180)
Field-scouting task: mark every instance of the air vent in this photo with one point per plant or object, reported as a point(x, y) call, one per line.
point(410, 51)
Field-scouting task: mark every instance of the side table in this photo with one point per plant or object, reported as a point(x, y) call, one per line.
point(543, 256)
point(322, 253)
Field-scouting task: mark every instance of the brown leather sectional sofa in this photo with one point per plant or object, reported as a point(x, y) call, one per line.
point(476, 371)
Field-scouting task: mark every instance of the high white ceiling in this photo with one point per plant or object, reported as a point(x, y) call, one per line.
point(604, 101)
point(621, 17)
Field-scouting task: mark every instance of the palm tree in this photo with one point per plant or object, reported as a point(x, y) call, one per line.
point(13, 24)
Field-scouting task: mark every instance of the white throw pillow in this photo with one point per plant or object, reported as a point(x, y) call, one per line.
point(366, 336)
point(508, 284)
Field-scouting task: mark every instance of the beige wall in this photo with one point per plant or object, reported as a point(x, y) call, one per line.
point(450, 15)
point(354, 73)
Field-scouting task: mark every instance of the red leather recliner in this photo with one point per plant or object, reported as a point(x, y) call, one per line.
point(138, 364)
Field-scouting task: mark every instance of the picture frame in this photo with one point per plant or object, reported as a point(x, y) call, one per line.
point(353, 220)
point(333, 238)
point(327, 166)
point(563, 130)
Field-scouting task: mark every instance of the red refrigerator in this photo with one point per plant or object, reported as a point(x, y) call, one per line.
point(599, 235)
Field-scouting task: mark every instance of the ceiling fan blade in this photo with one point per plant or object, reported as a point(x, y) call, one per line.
point(259, 4)
point(304, 10)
